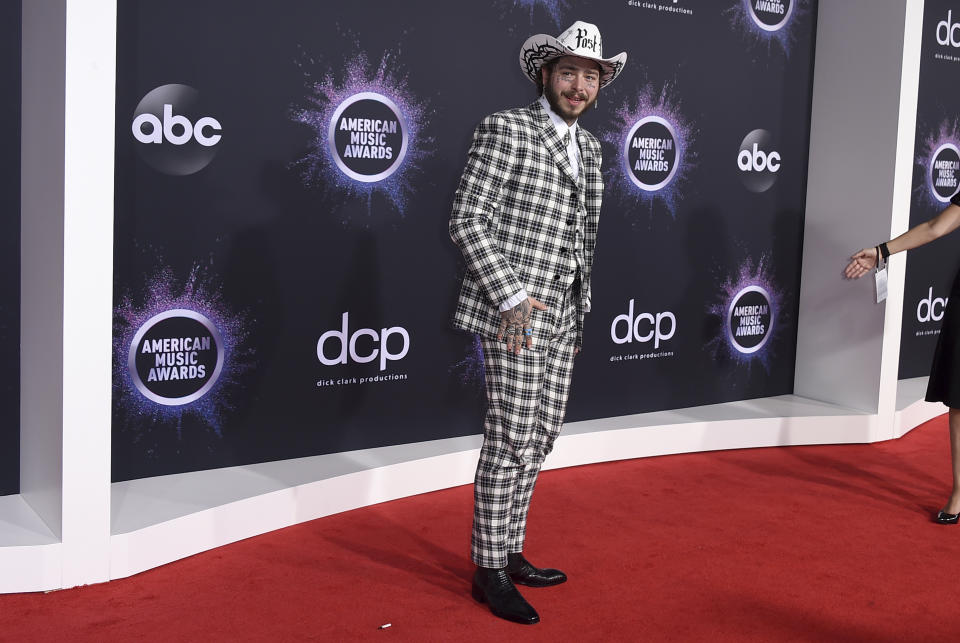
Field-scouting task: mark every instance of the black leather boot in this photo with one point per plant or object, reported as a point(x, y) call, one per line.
point(494, 587)
point(524, 573)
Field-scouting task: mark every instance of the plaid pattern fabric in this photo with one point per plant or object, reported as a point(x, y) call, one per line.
point(515, 216)
point(526, 402)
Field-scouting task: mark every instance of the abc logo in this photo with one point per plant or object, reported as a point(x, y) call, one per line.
point(378, 344)
point(771, 15)
point(948, 31)
point(173, 133)
point(643, 327)
point(758, 163)
point(931, 308)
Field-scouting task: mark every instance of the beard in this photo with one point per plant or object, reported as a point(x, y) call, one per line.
point(563, 108)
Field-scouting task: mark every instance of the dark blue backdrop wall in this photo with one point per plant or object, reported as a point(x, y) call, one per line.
point(930, 270)
point(284, 278)
point(10, 248)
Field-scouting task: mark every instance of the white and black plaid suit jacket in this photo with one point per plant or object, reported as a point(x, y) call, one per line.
point(514, 218)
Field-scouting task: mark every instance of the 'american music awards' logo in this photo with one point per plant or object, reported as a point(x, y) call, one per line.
point(939, 160)
point(176, 357)
point(368, 137)
point(944, 166)
point(750, 318)
point(178, 349)
point(655, 145)
point(770, 15)
point(749, 309)
point(651, 152)
point(367, 131)
point(768, 21)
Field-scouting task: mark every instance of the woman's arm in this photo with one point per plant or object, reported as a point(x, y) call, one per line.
point(940, 225)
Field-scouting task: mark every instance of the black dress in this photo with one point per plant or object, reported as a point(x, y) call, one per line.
point(944, 385)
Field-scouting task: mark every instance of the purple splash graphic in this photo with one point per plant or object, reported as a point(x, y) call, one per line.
point(164, 292)
point(941, 142)
point(319, 168)
point(770, 32)
point(662, 106)
point(471, 369)
point(753, 277)
point(553, 7)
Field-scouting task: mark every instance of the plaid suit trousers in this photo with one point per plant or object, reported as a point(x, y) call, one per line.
point(526, 402)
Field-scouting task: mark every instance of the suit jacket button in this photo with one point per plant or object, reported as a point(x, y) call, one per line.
point(569, 221)
point(573, 195)
point(556, 277)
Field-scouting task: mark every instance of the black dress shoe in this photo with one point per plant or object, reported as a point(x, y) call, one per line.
point(944, 518)
point(494, 587)
point(524, 573)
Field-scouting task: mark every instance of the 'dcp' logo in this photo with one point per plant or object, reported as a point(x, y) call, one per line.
point(750, 319)
point(943, 172)
point(758, 162)
point(947, 31)
point(379, 344)
point(176, 357)
point(174, 132)
point(931, 308)
point(368, 137)
point(771, 15)
point(651, 153)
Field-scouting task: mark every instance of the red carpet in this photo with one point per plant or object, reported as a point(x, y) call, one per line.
point(800, 543)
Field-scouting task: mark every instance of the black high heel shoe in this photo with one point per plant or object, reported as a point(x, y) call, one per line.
point(943, 518)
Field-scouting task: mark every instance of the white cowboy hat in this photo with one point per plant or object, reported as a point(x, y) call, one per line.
point(581, 39)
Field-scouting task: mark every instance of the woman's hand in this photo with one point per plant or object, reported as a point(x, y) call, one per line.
point(861, 263)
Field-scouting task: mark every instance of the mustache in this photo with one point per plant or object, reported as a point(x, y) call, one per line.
point(574, 94)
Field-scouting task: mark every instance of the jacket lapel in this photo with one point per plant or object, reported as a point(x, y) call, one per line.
point(586, 157)
point(551, 139)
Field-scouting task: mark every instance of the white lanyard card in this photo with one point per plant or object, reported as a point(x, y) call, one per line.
point(880, 277)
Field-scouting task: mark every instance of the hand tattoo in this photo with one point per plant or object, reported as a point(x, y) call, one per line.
point(514, 323)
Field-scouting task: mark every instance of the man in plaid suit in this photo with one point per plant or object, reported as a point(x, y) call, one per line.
point(525, 217)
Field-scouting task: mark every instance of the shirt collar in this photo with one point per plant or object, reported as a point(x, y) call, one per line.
point(558, 122)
